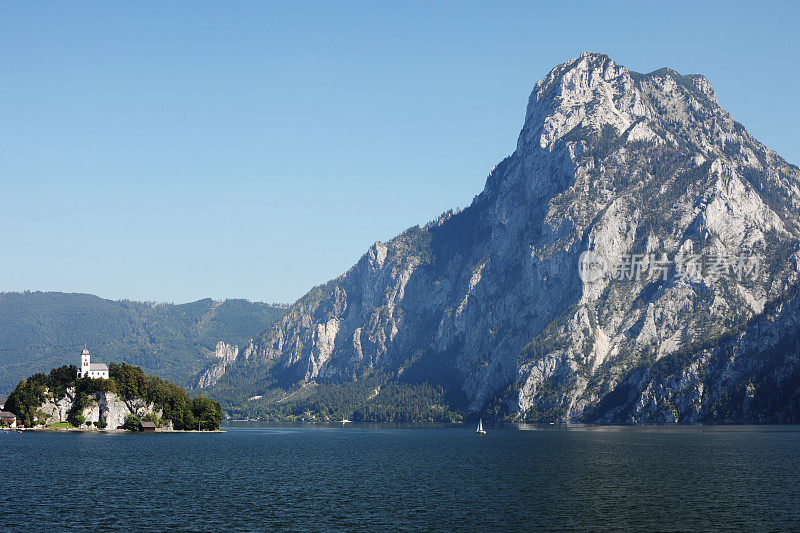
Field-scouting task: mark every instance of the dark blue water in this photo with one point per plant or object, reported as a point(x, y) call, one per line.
point(367, 478)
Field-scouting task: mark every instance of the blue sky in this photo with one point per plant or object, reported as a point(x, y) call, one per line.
point(175, 151)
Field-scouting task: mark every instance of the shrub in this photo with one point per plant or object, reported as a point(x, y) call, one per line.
point(132, 423)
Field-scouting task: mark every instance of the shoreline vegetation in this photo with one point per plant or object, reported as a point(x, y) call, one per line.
point(127, 400)
point(374, 396)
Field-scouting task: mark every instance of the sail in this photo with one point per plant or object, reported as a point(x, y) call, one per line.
point(480, 425)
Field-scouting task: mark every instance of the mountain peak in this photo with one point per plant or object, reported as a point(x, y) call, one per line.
point(588, 91)
point(592, 91)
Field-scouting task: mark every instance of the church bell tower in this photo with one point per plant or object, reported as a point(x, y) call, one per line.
point(85, 362)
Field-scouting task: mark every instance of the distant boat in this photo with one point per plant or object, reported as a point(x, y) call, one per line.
point(480, 430)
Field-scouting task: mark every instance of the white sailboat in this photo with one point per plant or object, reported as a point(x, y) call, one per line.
point(480, 430)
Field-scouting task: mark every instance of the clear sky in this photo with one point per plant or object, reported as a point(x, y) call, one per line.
point(172, 151)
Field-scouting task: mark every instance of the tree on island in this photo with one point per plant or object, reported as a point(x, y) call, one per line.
point(132, 423)
point(207, 412)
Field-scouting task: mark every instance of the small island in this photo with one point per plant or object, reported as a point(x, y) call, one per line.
point(100, 398)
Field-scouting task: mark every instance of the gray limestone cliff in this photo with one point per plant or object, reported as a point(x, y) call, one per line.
point(692, 224)
point(106, 408)
point(226, 355)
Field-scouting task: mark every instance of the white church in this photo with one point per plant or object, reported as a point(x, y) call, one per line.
point(89, 369)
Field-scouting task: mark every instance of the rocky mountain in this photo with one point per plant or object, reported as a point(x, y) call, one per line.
point(41, 330)
point(634, 260)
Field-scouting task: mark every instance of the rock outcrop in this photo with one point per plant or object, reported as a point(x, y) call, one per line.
point(688, 229)
point(227, 355)
point(106, 408)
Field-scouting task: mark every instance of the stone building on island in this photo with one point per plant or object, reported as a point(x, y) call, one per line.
point(89, 369)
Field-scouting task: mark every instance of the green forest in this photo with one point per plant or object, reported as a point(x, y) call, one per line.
point(41, 330)
point(374, 397)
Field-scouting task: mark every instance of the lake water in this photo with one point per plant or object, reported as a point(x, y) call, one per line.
point(362, 478)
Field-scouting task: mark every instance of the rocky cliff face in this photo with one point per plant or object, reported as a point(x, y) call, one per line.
point(226, 355)
point(105, 407)
point(686, 231)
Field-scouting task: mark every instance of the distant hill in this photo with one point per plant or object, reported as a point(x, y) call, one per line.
point(42, 330)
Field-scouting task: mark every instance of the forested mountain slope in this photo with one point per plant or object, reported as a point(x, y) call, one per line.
point(42, 330)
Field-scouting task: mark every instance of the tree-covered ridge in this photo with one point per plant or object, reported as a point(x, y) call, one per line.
point(373, 397)
point(39, 330)
point(129, 383)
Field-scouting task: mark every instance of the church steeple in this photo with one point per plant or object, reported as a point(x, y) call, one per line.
point(86, 361)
